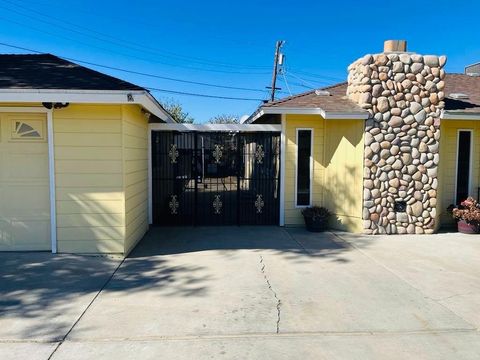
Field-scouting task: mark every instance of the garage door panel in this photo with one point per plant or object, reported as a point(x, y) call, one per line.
point(25, 234)
point(24, 183)
point(28, 166)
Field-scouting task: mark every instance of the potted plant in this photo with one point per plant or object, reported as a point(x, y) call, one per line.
point(316, 218)
point(467, 215)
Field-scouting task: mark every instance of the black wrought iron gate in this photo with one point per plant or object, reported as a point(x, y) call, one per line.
point(215, 178)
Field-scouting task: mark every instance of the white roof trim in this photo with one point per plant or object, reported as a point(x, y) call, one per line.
point(312, 111)
point(140, 97)
point(460, 116)
point(216, 127)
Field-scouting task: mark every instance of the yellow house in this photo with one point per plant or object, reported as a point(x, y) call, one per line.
point(73, 157)
point(323, 145)
point(387, 151)
point(459, 168)
point(88, 161)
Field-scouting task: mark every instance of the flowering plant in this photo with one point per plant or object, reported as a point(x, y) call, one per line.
point(468, 211)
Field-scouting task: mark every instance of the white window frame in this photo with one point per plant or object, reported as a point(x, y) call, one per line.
point(469, 165)
point(311, 166)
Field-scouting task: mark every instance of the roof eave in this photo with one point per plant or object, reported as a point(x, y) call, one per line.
point(361, 115)
point(458, 115)
point(140, 97)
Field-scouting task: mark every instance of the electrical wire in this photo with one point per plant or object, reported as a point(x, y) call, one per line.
point(202, 95)
point(303, 81)
point(118, 41)
point(286, 82)
point(154, 88)
point(138, 72)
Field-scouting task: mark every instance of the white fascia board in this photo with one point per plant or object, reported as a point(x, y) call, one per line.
point(151, 104)
point(216, 127)
point(313, 111)
point(140, 97)
point(460, 116)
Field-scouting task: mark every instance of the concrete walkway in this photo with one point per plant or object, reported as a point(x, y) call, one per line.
point(248, 292)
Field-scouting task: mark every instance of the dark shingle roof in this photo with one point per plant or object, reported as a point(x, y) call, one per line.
point(46, 71)
point(337, 101)
point(463, 84)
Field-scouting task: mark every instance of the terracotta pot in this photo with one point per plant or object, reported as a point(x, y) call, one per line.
point(465, 228)
point(316, 225)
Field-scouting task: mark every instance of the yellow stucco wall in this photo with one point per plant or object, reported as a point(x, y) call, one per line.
point(337, 169)
point(448, 164)
point(135, 160)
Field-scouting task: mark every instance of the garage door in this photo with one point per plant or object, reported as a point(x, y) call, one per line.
point(215, 178)
point(24, 187)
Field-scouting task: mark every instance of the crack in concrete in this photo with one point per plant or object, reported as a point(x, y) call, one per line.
point(279, 302)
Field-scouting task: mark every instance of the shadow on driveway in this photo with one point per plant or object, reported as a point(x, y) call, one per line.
point(42, 295)
point(294, 243)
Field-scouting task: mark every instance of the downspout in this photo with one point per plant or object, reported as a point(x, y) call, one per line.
point(51, 175)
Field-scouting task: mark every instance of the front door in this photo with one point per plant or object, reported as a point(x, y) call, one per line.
point(215, 178)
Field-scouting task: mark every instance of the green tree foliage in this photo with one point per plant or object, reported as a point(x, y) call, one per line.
point(225, 119)
point(176, 110)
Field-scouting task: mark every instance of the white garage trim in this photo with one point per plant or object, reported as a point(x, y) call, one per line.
point(51, 164)
point(141, 97)
point(51, 176)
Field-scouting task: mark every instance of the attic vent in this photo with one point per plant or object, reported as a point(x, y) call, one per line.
point(458, 96)
point(322, 93)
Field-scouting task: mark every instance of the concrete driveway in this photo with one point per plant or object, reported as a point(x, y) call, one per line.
point(248, 292)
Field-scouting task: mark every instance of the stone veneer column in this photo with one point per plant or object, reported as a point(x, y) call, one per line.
point(403, 93)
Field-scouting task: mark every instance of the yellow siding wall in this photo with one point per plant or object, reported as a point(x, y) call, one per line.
point(337, 169)
point(344, 176)
point(135, 154)
point(89, 178)
point(448, 164)
point(294, 122)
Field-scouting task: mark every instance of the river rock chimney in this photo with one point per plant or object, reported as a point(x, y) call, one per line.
point(403, 92)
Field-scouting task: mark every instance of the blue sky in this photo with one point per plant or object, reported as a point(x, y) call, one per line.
point(231, 43)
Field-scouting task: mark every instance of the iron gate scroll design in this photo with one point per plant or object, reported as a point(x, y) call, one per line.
point(215, 178)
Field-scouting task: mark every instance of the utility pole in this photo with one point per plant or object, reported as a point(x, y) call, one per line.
point(275, 69)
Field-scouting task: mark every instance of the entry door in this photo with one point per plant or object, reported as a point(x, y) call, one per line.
point(215, 178)
point(24, 185)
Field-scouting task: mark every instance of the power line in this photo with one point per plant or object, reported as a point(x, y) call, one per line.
point(302, 80)
point(202, 95)
point(286, 82)
point(308, 74)
point(146, 87)
point(140, 73)
point(118, 41)
point(129, 55)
